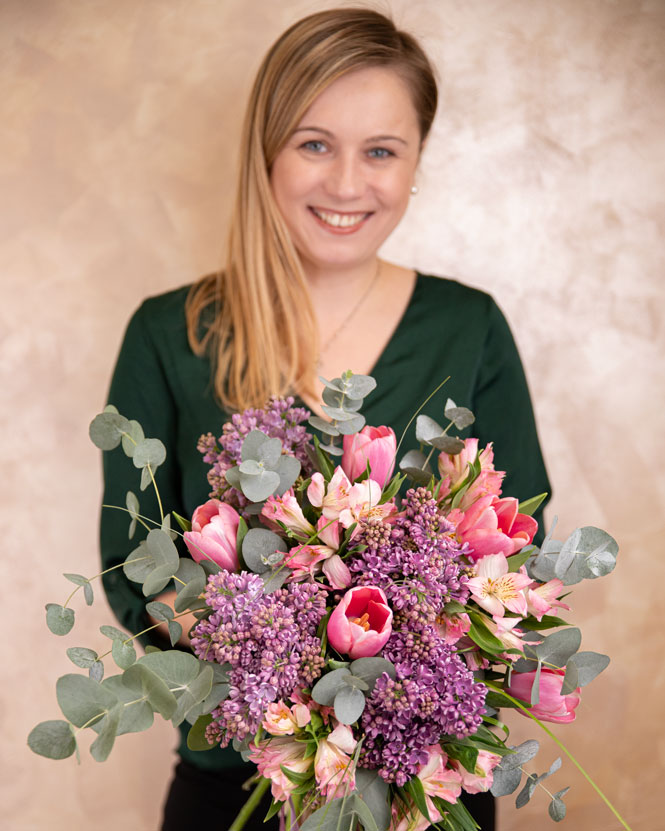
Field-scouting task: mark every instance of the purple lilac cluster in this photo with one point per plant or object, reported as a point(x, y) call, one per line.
point(415, 560)
point(280, 419)
point(268, 639)
point(433, 695)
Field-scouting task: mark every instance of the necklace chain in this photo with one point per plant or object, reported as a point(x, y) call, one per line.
point(354, 309)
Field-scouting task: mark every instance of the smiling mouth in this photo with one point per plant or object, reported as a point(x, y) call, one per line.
point(341, 221)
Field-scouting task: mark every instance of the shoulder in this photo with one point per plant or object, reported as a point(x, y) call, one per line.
point(449, 297)
point(162, 313)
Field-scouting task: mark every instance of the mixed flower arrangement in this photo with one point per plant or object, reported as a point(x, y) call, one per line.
point(355, 644)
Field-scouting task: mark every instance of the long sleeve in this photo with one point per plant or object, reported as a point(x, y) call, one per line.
point(140, 390)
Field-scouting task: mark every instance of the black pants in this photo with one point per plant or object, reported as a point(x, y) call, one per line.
point(215, 798)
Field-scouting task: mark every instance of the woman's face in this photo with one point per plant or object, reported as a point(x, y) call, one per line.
point(342, 182)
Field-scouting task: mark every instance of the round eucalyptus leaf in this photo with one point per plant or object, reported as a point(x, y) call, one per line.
point(96, 671)
point(114, 633)
point(349, 704)
point(123, 654)
point(288, 469)
point(81, 698)
point(189, 592)
point(103, 744)
point(557, 809)
point(196, 738)
point(162, 549)
point(258, 488)
point(152, 686)
point(269, 452)
point(58, 619)
point(252, 443)
point(158, 610)
point(134, 436)
point(146, 477)
point(558, 647)
point(448, 444)
point(175, 631)
point(505, 781)
point(52, 739)
point(335, 384)
point(251, 467)
point(177, 668)
point(137, 715)
point(338, 413)
point(521, 754)
point(157, 580)
point(336, 815)
point(374, 793)
point(258, 544)
point(188, 570)
point(274, 579)
point(353, 425)
point(138, 564)
point(336, 398)
point(81, 656)
point(356, 683)
point(106, 430)
point(149, 452)
point(78, 579)
point(371, 669)
point(420, 477)
point(461, 417)
point(327, 687)
point(193, 694)
point(323, 426)
point(360, 386)
point(588, 665)
point(110, 408)
point(232, 476)
point(427, 429)
point(88, 594)
point(332, 449)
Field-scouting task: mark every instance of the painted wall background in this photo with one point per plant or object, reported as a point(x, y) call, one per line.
point(543, 183)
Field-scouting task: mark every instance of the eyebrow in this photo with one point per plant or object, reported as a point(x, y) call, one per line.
point(330, 135)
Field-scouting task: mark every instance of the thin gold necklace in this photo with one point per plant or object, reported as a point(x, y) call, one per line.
point(349, 317)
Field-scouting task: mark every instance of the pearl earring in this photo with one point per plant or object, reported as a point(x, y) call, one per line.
point(414, 190)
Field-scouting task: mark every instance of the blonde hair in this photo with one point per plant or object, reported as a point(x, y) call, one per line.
point(255, 318)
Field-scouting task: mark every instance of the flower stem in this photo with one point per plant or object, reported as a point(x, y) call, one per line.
point(250, 806)
point(560, 744)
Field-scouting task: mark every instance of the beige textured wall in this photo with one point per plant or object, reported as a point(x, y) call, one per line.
point(543, 183)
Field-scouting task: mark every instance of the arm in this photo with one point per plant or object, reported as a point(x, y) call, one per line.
point(504, 415)
point(140, 390)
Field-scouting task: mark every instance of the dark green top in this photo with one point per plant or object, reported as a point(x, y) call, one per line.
point(447, 330)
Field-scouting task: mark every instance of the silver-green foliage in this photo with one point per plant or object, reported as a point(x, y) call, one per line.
point(347, 687)
point(263, 470)
point(342, 399)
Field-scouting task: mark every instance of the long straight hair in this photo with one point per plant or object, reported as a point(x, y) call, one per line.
point(255, 317)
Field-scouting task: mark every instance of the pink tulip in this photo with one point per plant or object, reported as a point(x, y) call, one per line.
point(493, 526)
point(213, 534)
point(552, 706)
point(361, 623)
point(374, 445)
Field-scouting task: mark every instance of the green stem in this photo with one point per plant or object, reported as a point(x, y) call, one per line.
point(431, 395)
point(90, 579)
point(560, 744)
point(250, 806)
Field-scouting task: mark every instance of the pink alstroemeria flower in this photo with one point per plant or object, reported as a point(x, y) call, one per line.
point(374, 445)
point(282, 720)
point(333, 498)
point(213, 535)
point(541, 598)
point(493, 526)
point(453, 627)
point(481, 779)
point(361, 623)
point(552, 706)
point(334, 768)
point(439, 780)
point(453, 469)
point(285, 509)
point(270, 755)
point(496, 589)
point(337, 572)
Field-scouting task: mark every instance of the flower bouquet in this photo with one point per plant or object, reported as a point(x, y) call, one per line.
point(356, 637)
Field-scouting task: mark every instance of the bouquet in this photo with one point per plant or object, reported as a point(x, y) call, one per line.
point(357, 633)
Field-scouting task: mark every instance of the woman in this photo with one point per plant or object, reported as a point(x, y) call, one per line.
point(337, 120)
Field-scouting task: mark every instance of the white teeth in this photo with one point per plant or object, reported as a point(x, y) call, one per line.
point(339, 220)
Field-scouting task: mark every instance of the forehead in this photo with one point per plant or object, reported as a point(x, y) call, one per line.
point(366, 99)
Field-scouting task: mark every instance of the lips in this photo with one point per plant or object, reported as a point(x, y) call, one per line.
point(340, 222)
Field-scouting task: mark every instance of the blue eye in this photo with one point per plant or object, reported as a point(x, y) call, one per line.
point(380, 153)
point(314, 146)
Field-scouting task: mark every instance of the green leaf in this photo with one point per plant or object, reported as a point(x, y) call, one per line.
point(466, 755)
point(113, 633)
point(515, 561)
point(288, 469)
point(259, 486)
point(196, 739)
point(392, 488)
point(448, 444)
point(134, 435)
point(452, 607)
point(530, 506)
point(414, 787)
point(351, 425)
point(175, 631)
point(185, 524)
point(103, 744)
point(190, 592)
point(582, 668)
point(359, 386)
point(325, 465)
point(336, 815)
point(295, 776)
point(81, 656)
point(557, 809)
point(81, 699)
point(535, 686)
point(558, 647)
point(58, 619)
point(546, 622)
point(526, 793)
point(274, 579)
point(106, 430)
point(364, 813)
point(349, 704)
point(78, 579)
point(374, 793)
point(149, 452)
point(158, 610)
point(96, 671)
point(371, 669)
point(123, 654)
point(505, 781)
point(192, 694)
point(88, 594)
point(521, 754)
point(240, 536)
point(52, 739)
point(461, 417)
point(481, 635)
point(323, 426)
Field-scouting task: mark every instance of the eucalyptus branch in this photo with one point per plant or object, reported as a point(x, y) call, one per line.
point(560, 744)
point(90, 579)
point(413, 417)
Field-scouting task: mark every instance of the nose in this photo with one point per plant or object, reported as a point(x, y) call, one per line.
point(345, 177)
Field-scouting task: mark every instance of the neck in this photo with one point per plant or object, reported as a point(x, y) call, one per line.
point(331, 281)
